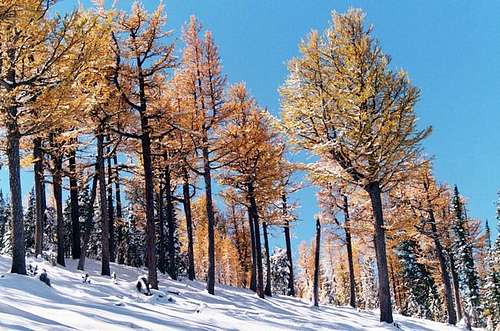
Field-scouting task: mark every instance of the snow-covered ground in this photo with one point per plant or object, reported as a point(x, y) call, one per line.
point(28, 304)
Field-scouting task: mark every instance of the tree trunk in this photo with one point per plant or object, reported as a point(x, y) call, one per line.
point(75, 209)
point(384, 291)
point(161, 219)
point(258, 247)
point(150, 213)
point(267, 289)
point(111, 209)
point(395, 286)
point(105, 270)
point(456, 288)
point(186, 202)
point(253, 274)
point(316, 264)
point(172, 267)
point(57, 188)
point(211, 219)
point(119, 214)
point(350, 260)
point(88, 220)
point(40, 198)
point(18, 245)
point(291, 280)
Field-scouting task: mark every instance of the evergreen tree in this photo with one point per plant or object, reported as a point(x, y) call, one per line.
point(29, 222)
point(7, 234)
point(423, 300)
point(492, 283)
point(134, 243)
point(3, 219)
point(280, 271)
point(468, 278)
point(369, 293)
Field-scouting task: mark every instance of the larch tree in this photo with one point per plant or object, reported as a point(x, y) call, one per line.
point(142, 60)
point(343, 102)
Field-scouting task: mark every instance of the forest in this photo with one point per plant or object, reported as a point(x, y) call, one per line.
point(141, 153)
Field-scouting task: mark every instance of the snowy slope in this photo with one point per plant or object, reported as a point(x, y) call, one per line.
point(28, 304)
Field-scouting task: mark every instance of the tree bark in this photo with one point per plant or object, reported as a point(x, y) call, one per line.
point(161, 220)
point(149, 189)
point(88, 220)
point(350, 259)
point(105, 269)
point(111, 209)
point(210, 217)
point(172, 267)
point(456, 287)
point(40, 197)
point(18, 245)
point(75, 209)
point(57, 188)
point(186, 202)
point(384, 291)
point(316, 264)
point(253, 274)
point(258, 247)
point(291, 280)
point(267, 289)
point(119, 213)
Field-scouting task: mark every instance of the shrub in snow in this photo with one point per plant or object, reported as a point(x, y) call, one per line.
point(143, 285)
point(114, 277)
point(86, 278)
point(44, 278)
point(32, 269)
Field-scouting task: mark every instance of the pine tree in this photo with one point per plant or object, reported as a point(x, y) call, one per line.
point(423, 300)
point(3, 219)
point(280, 271)
point(369, 294)
point(7, 234)
point(29, 222)
point(463, 249)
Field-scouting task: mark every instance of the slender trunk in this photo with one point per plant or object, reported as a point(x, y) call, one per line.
point(75, 209)
point(395, 286)
point(111, 209)
point(384, 291)
point(456, 288)
point(161, 219)
point(291, 281)
point(119, 214)
point(40, 198)
point(211, 219)
point(57, 190)
point(186, 202)
point(316, 263)
point(88, 220)
point(267, 289)
point(253, 274)
point(258, 247)
point(172, 268)
point(150, 214)
point(105, 270)
point(347, 228)
point(18, 246)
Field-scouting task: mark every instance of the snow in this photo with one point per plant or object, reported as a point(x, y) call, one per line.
point(28, 304)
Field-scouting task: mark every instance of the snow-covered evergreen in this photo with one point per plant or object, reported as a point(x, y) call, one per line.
point(280, 271)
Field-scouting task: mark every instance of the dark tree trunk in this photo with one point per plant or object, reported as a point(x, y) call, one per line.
point(350, 259)
point(316, 264)
point(88, 220)
point(40, 198)
point(395, 286)
point(111, 209)
point(161, 220)
point(18, 245)
point(75, 209)
point(288, 242)
point(186, 202)
point(150, 213)
point(105, 270)
point(57, 190)
point(253, 274)
point(172, 268)
point(384, 291)
point(258, 247)
point(119, 214)
point(267, 289)
point(456, 288)
point(211, 219)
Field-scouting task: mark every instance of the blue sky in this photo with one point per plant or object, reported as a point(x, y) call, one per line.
point(451, 50)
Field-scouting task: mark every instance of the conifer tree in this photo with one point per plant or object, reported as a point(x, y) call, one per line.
point(30, 221)
point(342, 102)
point(491, 287)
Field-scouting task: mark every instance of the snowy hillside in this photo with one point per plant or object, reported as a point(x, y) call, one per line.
point(28, 304)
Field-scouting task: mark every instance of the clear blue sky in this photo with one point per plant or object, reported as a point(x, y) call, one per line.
point(451, 50)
